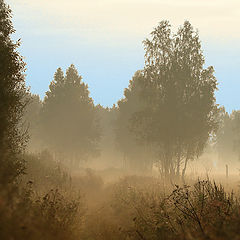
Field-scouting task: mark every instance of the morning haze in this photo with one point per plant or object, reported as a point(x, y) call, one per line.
point(119, 120)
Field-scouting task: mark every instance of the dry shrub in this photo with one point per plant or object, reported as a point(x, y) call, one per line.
point(54, 215)
point(43, 206)
point(204, 211)
point(45, 172)
point(134, 208)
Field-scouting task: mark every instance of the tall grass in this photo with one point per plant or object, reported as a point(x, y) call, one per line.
point(53, 204)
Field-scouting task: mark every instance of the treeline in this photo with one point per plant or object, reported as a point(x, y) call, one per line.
point(228, 136)
point(167, 117)
point(65, 122)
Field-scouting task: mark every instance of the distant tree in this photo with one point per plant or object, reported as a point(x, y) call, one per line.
point(236, 129)
point(228, 136)
point(136, 154)
point(109, 156)
point(178, 116)
point(31, 119)
point(12, 103)
point(68, 117)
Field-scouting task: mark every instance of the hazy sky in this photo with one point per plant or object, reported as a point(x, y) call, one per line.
point(103, 38)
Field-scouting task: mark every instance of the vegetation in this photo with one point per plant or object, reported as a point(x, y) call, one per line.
point(227, 137)
point(137, 155)
point(12, 89)
point(178, 94)
point(168, 116)
point(68, 117)
point(144, 211)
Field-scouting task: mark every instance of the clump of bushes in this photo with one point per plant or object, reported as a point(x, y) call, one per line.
point(54, 215)
point(45, 172)
point(43, 205)
point(204, 211)
point(47, 205)
point(136, 211)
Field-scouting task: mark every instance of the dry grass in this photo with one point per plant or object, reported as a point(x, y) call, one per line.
point(55, 205)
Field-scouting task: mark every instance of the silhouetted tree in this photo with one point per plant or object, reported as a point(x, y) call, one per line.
point(178, 116)
point(69, 117)
point(12, 103)
point(136, 155)
point(107, 118)
point(31, 119)
point(228, 136)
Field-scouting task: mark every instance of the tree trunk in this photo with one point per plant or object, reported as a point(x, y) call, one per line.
point(178, 168)
point(184, 168)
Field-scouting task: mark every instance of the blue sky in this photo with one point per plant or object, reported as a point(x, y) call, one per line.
point(103, 38)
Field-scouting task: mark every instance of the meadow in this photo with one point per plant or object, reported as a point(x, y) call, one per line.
point(54, 203)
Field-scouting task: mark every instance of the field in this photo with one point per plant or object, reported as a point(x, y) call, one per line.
point(86, 205)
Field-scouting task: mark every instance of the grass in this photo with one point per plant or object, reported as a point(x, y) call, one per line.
point(51, 204)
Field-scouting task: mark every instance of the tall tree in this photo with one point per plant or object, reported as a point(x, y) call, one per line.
point(12, 103)
point(178, 116)
point(136, 155)
point(69, 117)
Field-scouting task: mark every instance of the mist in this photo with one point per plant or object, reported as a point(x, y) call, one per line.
point(162, 162)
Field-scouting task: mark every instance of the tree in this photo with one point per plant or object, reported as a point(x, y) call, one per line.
point(178, 116)
point(12, 103)
point(31, 119)
point(69, 119)
point(137, 156)
point(236, 128)
point(228, 137)
point(107, 118)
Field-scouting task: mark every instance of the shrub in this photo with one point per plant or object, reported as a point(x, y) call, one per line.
point(55, 215)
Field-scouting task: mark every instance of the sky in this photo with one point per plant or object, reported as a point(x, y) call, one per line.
point(103, 39)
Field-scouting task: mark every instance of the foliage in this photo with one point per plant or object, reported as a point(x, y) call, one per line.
point(179, 112)
point(109, 156)
point(45, 172)
point(54, 215)
point(12, 103)
point(227, 137)
point(68, 117)
point(203, 211)
point(31, 119)
point(137, 156)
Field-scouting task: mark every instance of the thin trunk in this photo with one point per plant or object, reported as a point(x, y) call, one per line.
point(184, 168)
point(178, 165)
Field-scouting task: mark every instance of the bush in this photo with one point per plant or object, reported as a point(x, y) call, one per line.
point(204, 211)
point(45, 172)
point(55, 215)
